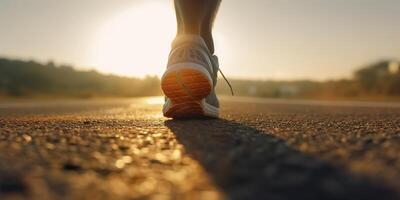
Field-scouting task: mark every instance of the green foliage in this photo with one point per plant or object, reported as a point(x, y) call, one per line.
point(372, 81)
point(28, 78)
point(378, 79)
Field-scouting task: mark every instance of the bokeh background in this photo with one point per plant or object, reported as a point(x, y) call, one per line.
point(339, 49)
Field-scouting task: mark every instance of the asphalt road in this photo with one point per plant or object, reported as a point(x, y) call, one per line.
point(260, 149)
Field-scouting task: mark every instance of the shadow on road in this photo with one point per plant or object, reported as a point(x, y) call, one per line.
point(249, 164)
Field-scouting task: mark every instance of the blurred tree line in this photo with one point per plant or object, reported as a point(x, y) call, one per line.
point(378, 80)
point(382, 78)
point(28, 78)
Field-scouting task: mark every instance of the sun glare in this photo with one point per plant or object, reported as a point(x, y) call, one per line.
point(135, 42)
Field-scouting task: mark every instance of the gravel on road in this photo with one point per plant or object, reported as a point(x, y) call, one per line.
point(259, 149)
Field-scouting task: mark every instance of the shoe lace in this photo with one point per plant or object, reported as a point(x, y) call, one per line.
point(216, 62)
point(226, 80)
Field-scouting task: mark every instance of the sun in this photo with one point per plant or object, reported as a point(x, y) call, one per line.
point(136, 42)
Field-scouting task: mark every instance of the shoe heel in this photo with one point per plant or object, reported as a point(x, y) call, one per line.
point(185, 84)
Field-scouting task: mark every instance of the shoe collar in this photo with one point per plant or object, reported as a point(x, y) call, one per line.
point(189, 38)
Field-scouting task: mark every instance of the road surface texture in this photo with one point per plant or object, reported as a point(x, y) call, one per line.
point(260, 149)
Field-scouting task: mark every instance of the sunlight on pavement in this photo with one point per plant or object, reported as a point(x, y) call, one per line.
point(125, 149)
point(155, 100)
point(132, 153)
point(146, 107)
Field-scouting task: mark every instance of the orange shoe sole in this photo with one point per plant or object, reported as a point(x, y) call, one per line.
point(186, 88)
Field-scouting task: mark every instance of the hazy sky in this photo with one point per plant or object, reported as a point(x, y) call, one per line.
point(278, 39)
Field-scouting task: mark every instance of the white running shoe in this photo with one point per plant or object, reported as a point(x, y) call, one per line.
point(190, 79)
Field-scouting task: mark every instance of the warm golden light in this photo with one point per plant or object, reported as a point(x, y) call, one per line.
point(135, 42)
point(154, 100)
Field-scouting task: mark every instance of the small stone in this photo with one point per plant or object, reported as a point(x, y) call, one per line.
point(72, 167)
